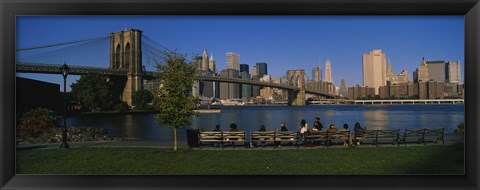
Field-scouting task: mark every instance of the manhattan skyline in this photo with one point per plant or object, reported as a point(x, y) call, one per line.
point(283, 42)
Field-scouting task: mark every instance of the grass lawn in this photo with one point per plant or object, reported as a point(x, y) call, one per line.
point(432, 159)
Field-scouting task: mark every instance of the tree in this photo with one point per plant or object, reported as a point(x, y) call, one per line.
point(173, 98)
point(94, 92)
point(141, 98)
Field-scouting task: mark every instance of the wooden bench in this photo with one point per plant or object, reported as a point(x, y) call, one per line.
point(232, 137)
point(422, 136)
point(257, 137)
point(327, 137)
point(376, 137)
point(433, 135)
point(286, 137)
point(342, 136)
point(211, 137)
point(315, 137)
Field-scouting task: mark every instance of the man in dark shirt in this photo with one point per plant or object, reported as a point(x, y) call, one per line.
point(317, 125)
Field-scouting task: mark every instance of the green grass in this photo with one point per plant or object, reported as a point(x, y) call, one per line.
point(434, 159)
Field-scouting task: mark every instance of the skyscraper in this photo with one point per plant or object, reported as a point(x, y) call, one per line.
point(211, 64)
point(316, 74)
point(328, 72)
point(254, 71)
point(233, 61)
point(244, 68)
point(262, 69)
point(454, 71)
point(436, 70)
point(374, 71)
point(343, 89)
point(389, 69)
point(204, 66)
point(423, 74)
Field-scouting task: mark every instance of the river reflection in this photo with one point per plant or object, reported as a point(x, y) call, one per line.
point(144, 126)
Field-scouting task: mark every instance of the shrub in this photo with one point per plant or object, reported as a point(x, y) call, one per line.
point(460, 128)
point(35, 122)
point(122, 107)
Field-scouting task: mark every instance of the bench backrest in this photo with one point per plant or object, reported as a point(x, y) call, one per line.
point(413, 132)
point(388, 133)
point(365, 133)
point(434, 132)
point(260, 135)
point(210, 136)
point(287, 134)
point(234, 135)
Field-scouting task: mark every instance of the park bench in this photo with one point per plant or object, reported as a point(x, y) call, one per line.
point(376, 137)
point(315, 137)
point(232, 137)
point(326, 137)
point(335, 137)
point(260, 137)
point(422, 136)
point(211, 137)
point(286, 137)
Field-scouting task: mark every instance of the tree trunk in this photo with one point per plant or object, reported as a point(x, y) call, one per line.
point(174, 139)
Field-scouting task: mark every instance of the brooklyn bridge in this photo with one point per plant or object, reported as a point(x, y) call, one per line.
point(127, 52)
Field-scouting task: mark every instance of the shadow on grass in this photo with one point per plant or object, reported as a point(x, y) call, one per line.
point(439, 159)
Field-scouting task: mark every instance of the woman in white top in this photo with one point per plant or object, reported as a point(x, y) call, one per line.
point(304, 127)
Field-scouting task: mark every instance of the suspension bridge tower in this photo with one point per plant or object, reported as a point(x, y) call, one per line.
point(126, 53)
point(296, 78)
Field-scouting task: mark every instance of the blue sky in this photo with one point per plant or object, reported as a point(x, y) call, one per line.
point(283, 42)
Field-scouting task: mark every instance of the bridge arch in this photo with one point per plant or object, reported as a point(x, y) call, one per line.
point(127, 57)
point(297, 79)
point(117, 57)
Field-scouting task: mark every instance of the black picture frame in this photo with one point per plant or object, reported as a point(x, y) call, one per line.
point(9, 9)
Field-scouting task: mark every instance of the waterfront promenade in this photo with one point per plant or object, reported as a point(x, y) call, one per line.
point(381, 102)
point(449, 139)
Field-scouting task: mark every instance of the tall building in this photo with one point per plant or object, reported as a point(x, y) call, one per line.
point(205, 65)
point(233, 61)
point(328, 72)
point(374, 71)
point(436, 70)
point(229, 90)
point(343, 89)
point(211, 65)
point(316, 74)
point(422, 73)
point(245, 89)
point(262, 69)
point(254, 71)
point(244, 68)
point(266, 92)
point(393, 78)
point(389, 69)
point(453, 71)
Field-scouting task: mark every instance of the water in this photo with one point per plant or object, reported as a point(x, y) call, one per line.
point(249, 118)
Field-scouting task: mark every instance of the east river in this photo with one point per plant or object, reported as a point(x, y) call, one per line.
point(248, 118)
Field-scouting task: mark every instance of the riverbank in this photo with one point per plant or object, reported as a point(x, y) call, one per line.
point(74, 134)
point(432, 159)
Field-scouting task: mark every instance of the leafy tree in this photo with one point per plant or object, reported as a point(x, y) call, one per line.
point(141, 98)
point(35, 122)
point(94, 92)
point(174, 99)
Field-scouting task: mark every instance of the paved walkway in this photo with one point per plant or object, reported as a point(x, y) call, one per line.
point(183, 144)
